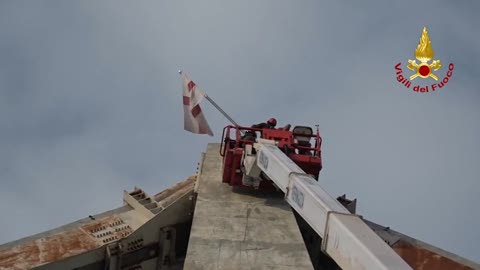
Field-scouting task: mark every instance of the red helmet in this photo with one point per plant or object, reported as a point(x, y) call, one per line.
point(272, 122)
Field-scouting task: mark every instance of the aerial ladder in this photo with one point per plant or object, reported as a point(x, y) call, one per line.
point(350, 242)
point(201, 223)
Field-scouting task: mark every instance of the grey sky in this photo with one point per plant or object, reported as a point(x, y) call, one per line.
point(90, 103)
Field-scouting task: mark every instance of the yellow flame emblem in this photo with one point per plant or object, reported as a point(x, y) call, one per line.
point(424, 53)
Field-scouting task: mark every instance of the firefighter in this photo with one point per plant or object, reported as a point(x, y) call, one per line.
point(251, 136)
point(270, 124)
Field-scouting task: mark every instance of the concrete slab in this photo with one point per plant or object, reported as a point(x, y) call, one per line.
point(240, 230)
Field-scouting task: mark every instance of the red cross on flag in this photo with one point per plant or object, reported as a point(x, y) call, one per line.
point(194, 120)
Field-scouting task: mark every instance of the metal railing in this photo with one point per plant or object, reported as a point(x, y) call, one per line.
point(240, 140)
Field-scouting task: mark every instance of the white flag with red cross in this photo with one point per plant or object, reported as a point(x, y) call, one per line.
point(194, 120)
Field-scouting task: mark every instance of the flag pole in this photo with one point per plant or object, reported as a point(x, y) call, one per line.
point(216, 106)
point(224, 113)
point(220, 109)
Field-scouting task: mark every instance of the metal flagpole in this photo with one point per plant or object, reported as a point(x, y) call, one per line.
point(217, 107)
point(220, 109)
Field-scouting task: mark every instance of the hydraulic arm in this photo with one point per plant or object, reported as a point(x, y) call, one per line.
point(346, 238)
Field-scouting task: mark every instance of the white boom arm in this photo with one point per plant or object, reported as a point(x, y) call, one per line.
point(346, 238)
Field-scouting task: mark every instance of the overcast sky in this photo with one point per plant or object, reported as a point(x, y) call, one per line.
point(90, 103)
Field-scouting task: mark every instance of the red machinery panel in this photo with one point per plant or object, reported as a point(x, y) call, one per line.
point(296, 144)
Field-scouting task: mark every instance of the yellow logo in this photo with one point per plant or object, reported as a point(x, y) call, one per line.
point(425, 68)
point(424, 53)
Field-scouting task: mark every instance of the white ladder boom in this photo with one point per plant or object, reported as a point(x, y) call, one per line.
point(346, 238)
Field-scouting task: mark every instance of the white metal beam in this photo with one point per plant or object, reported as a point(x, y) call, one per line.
point(346, 238)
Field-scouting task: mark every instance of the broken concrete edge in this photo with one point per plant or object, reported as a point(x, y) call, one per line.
point(418, 244)
point(164, 194)
point(175, 188)
point(63, 228)
point(75, 233)
point(145, 237)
